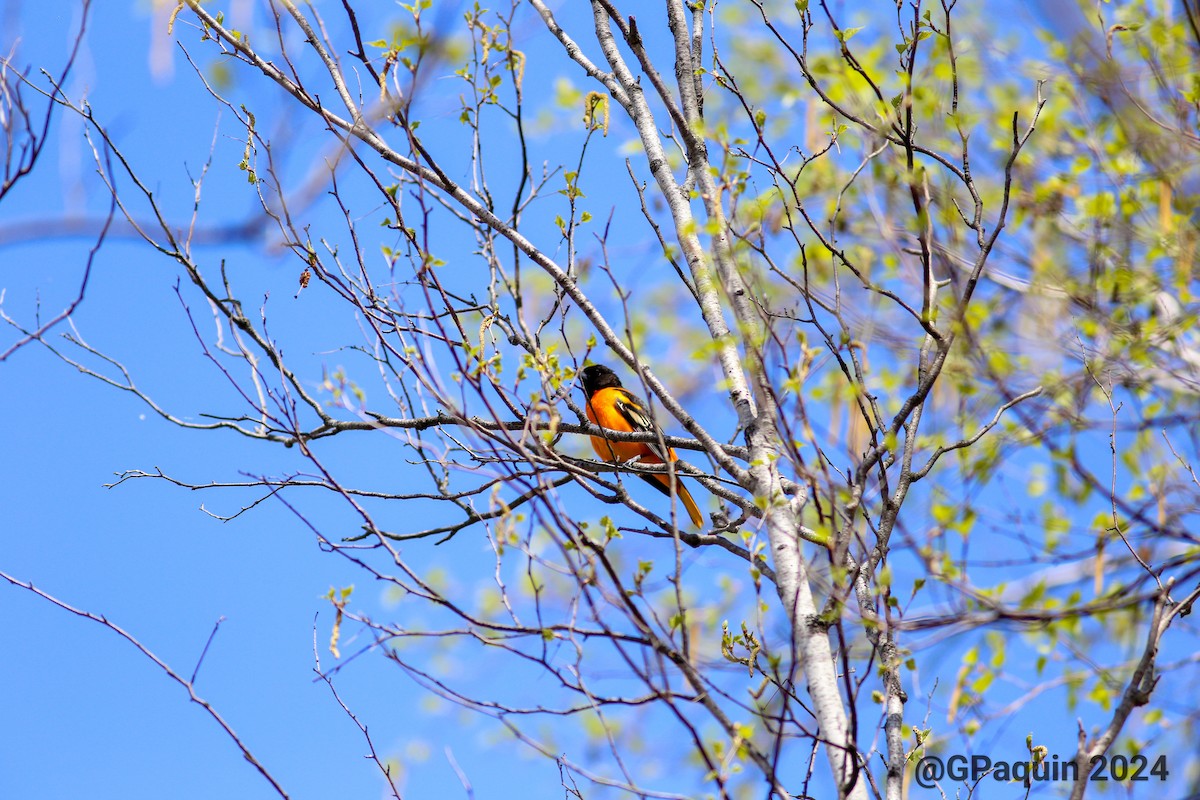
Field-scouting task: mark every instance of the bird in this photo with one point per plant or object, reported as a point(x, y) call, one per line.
point(612, 406)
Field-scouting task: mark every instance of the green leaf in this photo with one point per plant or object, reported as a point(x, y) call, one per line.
point(846, 34)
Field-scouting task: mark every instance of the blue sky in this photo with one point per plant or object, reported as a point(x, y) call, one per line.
point(85, 712)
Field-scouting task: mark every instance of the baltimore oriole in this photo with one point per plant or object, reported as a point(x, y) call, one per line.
point(611, 406)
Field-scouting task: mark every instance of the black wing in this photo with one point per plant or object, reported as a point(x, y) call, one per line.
point(635, 413)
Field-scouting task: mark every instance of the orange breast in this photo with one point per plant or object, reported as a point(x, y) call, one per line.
point(602, 410)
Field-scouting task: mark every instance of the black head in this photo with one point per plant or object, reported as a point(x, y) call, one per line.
point(597, 377)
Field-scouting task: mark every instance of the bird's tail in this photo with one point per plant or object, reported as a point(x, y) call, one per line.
point(690, 505)
point(662, 482)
